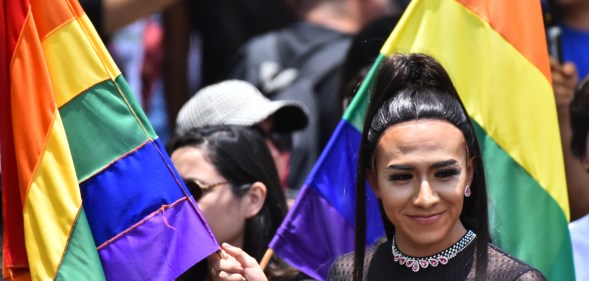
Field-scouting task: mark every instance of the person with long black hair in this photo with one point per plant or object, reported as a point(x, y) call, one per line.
point(231, 174)
point(420, 156)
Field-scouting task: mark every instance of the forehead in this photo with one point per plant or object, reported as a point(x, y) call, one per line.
point(191, 161)
point(427, 139)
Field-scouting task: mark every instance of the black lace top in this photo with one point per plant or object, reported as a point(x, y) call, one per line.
point(379, 265)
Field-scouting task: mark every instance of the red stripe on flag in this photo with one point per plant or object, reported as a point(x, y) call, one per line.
point(14, 14)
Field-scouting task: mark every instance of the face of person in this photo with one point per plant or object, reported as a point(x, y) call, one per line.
point(224, 212)
point(376, 8)
point(281, 157)
point(420, 175)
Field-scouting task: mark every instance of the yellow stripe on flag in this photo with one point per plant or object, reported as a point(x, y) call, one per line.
point(65, 65)
point(98, 45)
point(517, 104)
point(52, 205)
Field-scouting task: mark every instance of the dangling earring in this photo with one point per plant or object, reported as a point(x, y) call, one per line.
point(467, 191)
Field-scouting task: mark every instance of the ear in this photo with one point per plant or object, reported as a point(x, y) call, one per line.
point(470, 171)
point(371, 178)
point(254, 199)
point(585, 162)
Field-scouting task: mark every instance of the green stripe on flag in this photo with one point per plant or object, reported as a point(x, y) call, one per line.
point(531, 208)
point(128, 93)
point(100, 128)
point(81, 261)
point(356, 112)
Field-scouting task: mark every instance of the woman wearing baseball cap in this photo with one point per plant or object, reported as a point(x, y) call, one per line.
point(230, 173)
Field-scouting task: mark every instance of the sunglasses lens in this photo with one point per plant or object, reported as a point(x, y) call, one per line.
point(282, 141)
point(194, 189)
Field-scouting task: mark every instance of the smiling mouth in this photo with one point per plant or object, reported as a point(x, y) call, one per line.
point(426, 219)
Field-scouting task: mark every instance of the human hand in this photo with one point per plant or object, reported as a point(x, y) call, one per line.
point(251, 269)
point(224, 267)
point(564, 81)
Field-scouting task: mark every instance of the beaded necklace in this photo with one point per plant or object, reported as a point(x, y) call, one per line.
point(441, 258)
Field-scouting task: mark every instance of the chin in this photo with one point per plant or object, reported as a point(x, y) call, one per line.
point(427, 237)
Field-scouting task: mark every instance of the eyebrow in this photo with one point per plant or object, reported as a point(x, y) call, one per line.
point(444, 163)
point(400, 167)
point(409, 167)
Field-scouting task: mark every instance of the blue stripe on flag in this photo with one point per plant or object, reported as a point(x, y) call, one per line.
point(127, 191)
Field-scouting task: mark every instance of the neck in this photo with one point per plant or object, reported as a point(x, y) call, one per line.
point(576, 16)
point(337, 17)
point(237, 241)
point(409, 246)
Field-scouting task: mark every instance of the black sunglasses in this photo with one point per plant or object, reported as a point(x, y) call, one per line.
point(196, 187)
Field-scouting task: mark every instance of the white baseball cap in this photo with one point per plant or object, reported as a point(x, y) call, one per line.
point(236, 102)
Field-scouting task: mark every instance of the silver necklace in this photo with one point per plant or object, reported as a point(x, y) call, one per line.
point(441, 258)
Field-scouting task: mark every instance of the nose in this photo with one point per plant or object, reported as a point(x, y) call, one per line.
point(426, 197)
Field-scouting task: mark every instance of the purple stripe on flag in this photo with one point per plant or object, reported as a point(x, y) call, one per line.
point(161, 247)
point(334, 176)
point(319, 227)
point(314, 237)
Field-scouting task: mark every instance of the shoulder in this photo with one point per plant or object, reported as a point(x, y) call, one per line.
point(580, 240)
point(343, 266)
point(580, 226)
point(504, 266)
point(579, 230)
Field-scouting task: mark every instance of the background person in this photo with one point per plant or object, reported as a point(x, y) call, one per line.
point(579, 114)
point(565, 80)
point(236, 102)
point(231, 175)
point(568, 62)
point(302, 62)
point(363, 51)
point(212, 31)
point(110, 15)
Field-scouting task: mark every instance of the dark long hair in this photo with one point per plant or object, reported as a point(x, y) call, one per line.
point(412, 87)
point(241, 156)
point(579, 114)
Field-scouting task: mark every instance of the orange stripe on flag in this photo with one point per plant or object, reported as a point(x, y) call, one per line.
point(520, 29)
point(61, 13)
point(33, 105)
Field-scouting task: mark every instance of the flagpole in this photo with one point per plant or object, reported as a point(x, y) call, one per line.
point(266, 258)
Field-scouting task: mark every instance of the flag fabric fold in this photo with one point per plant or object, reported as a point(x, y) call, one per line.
point(320, 225)
point(495, 52)
point(89, 193)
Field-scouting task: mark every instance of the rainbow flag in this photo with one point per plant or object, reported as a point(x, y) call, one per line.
point(88, 191)
point(495, 51)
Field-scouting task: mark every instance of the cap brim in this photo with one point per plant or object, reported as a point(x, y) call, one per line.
point(290, 116)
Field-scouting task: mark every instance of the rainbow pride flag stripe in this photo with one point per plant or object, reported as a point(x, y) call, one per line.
point(495, 51)
point(89, 193)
